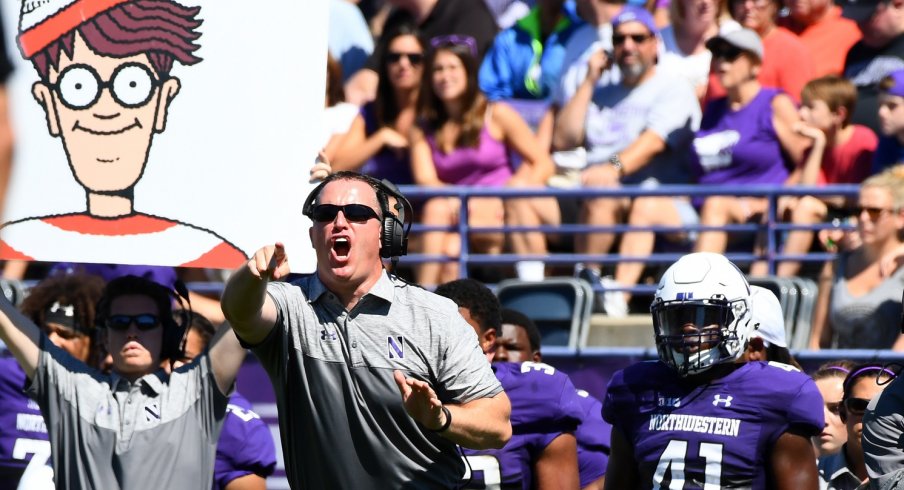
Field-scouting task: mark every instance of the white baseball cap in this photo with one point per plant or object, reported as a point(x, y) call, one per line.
point(768, 319)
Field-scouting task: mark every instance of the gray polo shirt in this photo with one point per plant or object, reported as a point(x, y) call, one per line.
point(341, 416)
point(107, 433)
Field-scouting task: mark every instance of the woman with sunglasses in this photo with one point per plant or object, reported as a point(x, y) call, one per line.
point(461, 139)
point(859, 303)
point(743, 138)
point(846, 469)
point(377, 143)
point(829, 379)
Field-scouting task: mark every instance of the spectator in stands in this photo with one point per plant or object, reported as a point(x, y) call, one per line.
point(846, 468)
point(863, 302)
point(693, 22)
point(246, 453)
point(433, 18)
point(461, 139)
point(542, 453)
point(63, 307)
point(876, 55)
point(519, 341)
point(786, 62)
point(823, 31)
point(525, 60)
point(137, 409)
point(767, 337)
point(890, 150)
point(377, 143)
point(841, 153)
point(350, 41)
point(743, 138)
point(338, 115)
point(829, 378)
point(635, 131)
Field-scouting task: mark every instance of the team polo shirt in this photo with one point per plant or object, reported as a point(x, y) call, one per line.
point(341, 417)
point(107, 433)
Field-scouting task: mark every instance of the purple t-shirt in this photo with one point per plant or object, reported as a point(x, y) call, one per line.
point(22, 429)
point(544, 405)
point(486, 165)
point(593, 437)
point(721, 432)
point(245, 446)
point(739, 146)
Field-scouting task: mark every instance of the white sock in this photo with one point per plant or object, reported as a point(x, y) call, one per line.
point(530, 270)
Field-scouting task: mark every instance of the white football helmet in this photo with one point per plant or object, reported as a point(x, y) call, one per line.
point(701, 313)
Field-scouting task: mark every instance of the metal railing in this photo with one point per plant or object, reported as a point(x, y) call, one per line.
point(771, 225)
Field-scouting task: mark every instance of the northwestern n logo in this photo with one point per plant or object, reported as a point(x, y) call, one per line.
point(396, 346)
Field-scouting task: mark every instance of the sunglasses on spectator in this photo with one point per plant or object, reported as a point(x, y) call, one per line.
point(144, 321)
point(855, 406)
point(619, 39)
point(727, 53)
point(455, 40)
point(413, 58)
point(873, 212)
point(356, 213)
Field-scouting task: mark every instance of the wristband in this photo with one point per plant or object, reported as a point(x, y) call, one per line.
point(445, 426)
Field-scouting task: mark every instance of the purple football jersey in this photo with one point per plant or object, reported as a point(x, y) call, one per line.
point(245, 447)
point(593, 437)
point(687, 435)
point(544, 405)
point(22, 430)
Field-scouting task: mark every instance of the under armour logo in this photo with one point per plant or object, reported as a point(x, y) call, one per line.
point(67, 310)
point(717, 399)
point(324, 335)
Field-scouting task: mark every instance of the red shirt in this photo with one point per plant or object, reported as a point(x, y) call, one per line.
point(851, 162)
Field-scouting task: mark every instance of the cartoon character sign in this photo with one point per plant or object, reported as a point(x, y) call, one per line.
point(106, 88)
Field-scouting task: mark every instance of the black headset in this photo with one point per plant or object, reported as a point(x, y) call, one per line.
point(395, 226)
point(174, 332)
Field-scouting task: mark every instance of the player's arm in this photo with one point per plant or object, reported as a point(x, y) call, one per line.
point(247, 482)
point(226, 357)
point(20, 335)
point(792, 463)
point(248, 308)
point(557, 466)
point(621, 472)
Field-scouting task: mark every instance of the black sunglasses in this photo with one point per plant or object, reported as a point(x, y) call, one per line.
point(413, 58)
point(356, 213)
point(144, 321)
point(727, 53)
point(874, 213)
point(855, 406)
point(619, 39)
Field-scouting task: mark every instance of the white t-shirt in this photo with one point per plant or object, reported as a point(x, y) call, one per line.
point(585, 41)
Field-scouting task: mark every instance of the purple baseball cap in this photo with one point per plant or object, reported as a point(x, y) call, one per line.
point(635, 14)
point(897, 87)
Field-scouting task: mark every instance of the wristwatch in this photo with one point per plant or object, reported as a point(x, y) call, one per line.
point(619, 166)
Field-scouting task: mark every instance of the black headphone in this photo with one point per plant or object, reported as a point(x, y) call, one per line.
point(174, 332)
point(395, 227)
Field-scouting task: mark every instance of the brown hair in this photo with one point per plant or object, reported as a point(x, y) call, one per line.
point(677, 12)
point(834, 369)
point(162, 29)
point(386, 107)
point(334, 90)
point(835, 91)
point(431, 110)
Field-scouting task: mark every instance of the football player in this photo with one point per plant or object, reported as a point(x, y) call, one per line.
point(546, 410)
point(700, 417)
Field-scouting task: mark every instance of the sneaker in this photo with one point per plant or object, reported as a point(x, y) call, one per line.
point(614, 303)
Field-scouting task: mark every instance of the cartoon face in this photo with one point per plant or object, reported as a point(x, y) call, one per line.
point(106, 110)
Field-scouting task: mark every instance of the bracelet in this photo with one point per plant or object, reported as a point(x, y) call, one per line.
point(445, 426)
point(617, 163)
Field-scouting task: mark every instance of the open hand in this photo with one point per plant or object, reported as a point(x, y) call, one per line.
point(420, 401)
